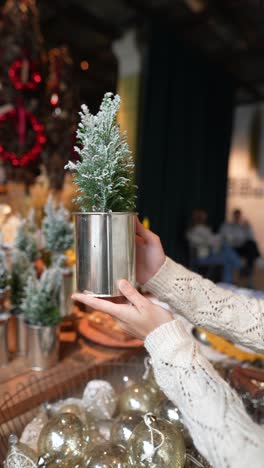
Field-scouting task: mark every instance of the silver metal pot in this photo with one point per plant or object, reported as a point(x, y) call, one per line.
point(105, 251)
point(66, 292)
point(4, 339)
point(42, 346)
point(21, 335)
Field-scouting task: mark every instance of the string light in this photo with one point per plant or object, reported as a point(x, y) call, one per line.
point(84, 65)
point(54, 99)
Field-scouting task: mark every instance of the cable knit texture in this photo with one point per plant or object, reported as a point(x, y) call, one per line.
point(212, 411)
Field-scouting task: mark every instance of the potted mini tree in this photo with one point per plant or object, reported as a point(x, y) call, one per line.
point(20, 270)
point(4, 316)
point(26, 238)
point(58, 237)
point(105, 226)
point(41, 314)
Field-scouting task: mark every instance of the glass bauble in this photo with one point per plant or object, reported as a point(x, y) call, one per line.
point(20, 455)
point(167, 410)
point(196, 460)
point(107, 456)
point(64, 439)
point(123, 427)
point(99, 398)
point(138, 397)
point(156, 443)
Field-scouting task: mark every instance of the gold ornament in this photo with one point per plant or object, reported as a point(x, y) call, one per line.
point(20, 455)
point(107, 456)
point(64, 440)
point(156, 443)
point(124, 426)
point(99, 399)
point(138, 397)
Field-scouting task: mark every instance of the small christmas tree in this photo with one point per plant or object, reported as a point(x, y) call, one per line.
point(26, 240)
point(4, 275)
point(105, 172)
point(20, 271)
point(57, 229)
point(41, 302)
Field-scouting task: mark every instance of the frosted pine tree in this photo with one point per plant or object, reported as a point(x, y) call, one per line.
point(20, 271)
point(105, 172)
point(42, 298)
point(57, 229)
point(4, 274)
point(26, 239)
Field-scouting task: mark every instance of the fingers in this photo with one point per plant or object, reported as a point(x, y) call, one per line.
point(115, 310)
point(132, 294)
point(146, 234)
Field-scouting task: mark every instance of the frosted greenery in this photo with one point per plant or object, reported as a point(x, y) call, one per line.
point(4, 275)
point(19, 273)
point(42, 298)
point(26, 240)
point(57, 228)
point(105, 172)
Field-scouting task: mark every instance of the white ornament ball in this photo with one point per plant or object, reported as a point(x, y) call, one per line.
point(100, 399)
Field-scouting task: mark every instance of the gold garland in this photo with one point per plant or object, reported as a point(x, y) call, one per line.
point(223, 346)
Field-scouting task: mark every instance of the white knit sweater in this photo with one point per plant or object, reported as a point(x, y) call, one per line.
point(213, 412)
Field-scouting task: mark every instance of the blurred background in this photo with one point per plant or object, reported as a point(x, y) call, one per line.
point(191, 77)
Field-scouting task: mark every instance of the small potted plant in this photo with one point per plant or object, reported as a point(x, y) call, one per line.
point(26, 238)
point(4, 315)
point(40, 307)
point(105, 227)
point(20, 270)
point(58, 237)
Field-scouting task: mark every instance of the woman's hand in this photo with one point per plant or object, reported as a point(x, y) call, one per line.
point(139, 318)
point(150, 253)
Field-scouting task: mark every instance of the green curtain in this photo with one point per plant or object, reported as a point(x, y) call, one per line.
point(185, 128)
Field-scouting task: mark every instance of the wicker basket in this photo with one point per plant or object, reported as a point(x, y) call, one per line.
point(18, 409)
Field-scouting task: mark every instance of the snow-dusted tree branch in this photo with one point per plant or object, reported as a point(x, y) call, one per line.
point(4, 275)
point(26, 239)
point(42, 298)
point(21, 269)
point(57, 229)
point(105, 172)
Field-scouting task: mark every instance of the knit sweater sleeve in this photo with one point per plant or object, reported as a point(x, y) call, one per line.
point(212, 411)
point(237, 318)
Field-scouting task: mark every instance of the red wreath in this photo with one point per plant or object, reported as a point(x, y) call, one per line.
point(34, 78)
point(34, 152)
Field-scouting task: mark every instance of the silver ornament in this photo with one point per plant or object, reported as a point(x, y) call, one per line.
point(107, 456)
point(167, 410)
point(123, 427)
point(63, 441)
point(19, 455)
point(156, 443)
point(138, 397)
point(100, 399)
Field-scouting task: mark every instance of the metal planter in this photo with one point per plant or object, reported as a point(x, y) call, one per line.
point(42, 346)
point(21, 335)
point(105, 251)
point(4, 355)
point(66, 293)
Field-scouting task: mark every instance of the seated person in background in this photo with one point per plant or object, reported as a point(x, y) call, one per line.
point(239, 235)
point(208, 249)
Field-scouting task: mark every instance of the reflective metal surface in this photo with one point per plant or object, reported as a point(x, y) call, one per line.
point(4, 339)
point(42, 346)
point(66, 292)
point(21, 335)
point(105, 251)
